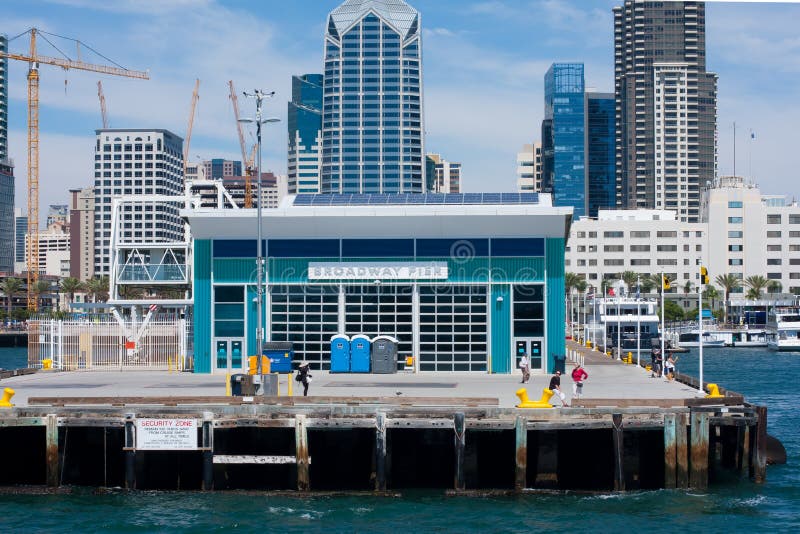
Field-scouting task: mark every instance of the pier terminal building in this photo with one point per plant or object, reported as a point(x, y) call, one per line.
point(465, 282)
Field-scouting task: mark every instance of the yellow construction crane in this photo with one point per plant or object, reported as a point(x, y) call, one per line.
point(195, 96)
point(102, 98)
point(248, 163)
point(34, 60)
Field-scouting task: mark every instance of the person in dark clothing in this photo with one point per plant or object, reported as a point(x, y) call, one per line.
point(555, 386)
point(304, 377)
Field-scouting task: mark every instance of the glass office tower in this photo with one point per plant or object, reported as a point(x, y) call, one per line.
point(563, 139)
point(372, 110)
point(600, 152)
point(305, 134)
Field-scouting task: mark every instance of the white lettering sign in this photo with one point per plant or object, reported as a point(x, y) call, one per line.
point(435, 270)
point(166, 434)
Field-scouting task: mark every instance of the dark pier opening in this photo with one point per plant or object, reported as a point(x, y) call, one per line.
point(22, 455)
point(342, 459)
point(254, 442)
point(420, 458)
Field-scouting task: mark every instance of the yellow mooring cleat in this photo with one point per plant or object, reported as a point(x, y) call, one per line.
point(525, 402)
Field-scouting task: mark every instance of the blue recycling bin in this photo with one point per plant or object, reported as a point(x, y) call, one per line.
point(280, 354)
point(360, 354)
point(340, 354)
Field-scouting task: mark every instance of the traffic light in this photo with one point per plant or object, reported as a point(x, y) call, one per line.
point(703, 275)
point(665, 282)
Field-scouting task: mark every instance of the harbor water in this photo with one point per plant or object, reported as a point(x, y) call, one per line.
point(764, 377)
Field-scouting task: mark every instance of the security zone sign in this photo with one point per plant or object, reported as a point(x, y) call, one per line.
point(166, 434)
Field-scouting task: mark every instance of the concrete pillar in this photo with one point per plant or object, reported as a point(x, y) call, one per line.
point(521, 455)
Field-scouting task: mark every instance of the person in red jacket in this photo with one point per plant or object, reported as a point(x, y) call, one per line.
point(579, 374)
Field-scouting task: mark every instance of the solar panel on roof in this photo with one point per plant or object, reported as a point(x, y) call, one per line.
point(491, 198)
point(529, 198)
point(454, 198)
point(321, 200)
point(435, 198)
point(473, 198)
point(416, 198)
point(359, 200)
point(303, 200)
point(341, 200)
point(509, 198)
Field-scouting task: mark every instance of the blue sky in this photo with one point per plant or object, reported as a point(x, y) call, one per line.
point(484, 62)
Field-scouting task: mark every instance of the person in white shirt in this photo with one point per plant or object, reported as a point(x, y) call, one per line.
point(525, 367)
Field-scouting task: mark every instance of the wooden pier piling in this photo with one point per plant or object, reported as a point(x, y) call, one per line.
point(460, 443)
point(301, 452)
point(760, 448)
point(521, 455)
point(619, 466)
point(698, 476)
point(208, 451)
point(51, 437)
point(682, 450)
point(670, 451)
point(380, 452)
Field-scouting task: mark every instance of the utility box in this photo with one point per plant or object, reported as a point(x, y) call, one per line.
point(340, 354)
point(384, 355)
point(236, 384)
point(280, 354)
point(360, 348)
point(252, 385)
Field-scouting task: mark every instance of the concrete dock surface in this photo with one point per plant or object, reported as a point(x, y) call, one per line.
point(608, 379)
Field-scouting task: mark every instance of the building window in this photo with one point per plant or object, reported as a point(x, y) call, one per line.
point(773, 261)
point(735, 261)
point(666, 234)
point(667, 248)
point(774, 248)
point(639, 262)
point(773, 234)
point(794, 219)
point(640, 234)
point(773, 218)
point(735, 204)
point(613, 263)
point(774, 276)
point(735, 248)
point(735, 234)
point(640, 248)
point(614, 248)
point(734, 220)
point(613, 235)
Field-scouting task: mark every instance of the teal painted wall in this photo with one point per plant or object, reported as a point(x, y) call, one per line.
point(202, 306)
point(554, 255)
point(501, 328)
point(227, 270)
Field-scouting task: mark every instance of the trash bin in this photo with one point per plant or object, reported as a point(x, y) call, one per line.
point(236, 384)
point(280, 354)
point(560, 363)
point(384, 355)
point(340, 354)
point(360, 354)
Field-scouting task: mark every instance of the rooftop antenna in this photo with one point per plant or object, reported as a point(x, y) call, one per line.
point(734, 148)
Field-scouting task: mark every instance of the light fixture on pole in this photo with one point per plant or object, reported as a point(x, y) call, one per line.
point(259, 95)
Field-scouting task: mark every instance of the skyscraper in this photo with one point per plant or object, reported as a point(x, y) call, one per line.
point(305, 134)
point(665, 106)
point(446, 177)
point(600, 152)
point(218, 168)
point(20, 229)
point(529, 168)
point(372, 109)
point(563, 136)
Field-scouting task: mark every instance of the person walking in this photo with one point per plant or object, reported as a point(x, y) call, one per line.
point(669, 367)
point(579, 374)
point(525, 367)
point(304, 377)
point(555, 387)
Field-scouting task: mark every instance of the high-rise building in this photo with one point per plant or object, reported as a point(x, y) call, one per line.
point(81, 232)
point(600, 152)
point(118, 172)
point(217, 168)
point(563, 136)
point(446, 176)
point(372, 130)
point(529, 168)
point(6, 217)
point(20, 229)
point(58, 214)
point(305, 134)
point(665, 106)
point(3, 100)
point(273, 190)
point(54, 252)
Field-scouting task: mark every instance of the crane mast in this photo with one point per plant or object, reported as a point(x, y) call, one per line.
point(102, 98)
point(248, 170)
point(34, 60)
point(195, 96)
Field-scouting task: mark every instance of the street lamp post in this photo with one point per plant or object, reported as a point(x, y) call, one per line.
point(260, 96)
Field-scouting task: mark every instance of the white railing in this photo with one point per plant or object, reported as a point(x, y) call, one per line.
point(103, 345)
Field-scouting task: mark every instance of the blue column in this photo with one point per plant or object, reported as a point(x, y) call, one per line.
point(202, 306)
point(554, 343)
point(501, 328)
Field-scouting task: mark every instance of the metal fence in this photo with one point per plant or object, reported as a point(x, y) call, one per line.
point(105, 344)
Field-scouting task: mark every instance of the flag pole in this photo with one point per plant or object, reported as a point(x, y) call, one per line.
point(619, 325)
point(700, 306)
point(663, 323)
point(638, 326)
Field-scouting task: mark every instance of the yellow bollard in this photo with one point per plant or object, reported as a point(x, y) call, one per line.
point(228, 392)
point(525, 402)
point(47, 363)
point(589, 344)
point(5, 400)
point(169, 364)
point(290, 376)
point(713, 391)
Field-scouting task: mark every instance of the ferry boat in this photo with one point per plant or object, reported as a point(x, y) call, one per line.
point(784, 327)
point(692, 339)
point(757, 337)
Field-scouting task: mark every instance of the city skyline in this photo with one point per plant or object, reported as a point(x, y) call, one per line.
point(478, 113)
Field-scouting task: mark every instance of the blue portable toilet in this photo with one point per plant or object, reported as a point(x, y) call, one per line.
point(359, 354)
point(340, 354)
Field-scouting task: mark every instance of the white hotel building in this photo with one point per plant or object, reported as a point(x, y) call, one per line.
point(742, 232)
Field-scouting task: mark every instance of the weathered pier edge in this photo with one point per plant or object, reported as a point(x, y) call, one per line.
point(380, 444)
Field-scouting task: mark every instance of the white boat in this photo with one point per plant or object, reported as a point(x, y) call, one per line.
point(692, 339)
point(784, 327)
point(622, 319)
point(732, 337)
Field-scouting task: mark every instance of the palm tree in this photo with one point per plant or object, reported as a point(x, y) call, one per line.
point(657, 282)
point(729, 282)
point(40, 288)
point(773, 286)
point(687, 287)
point(756, 285)
point(606, 284)
point(710, 294)
point(630, 278)
point(570, 281)
point(98, 288)
point(10, 287)
point(647, 284)
point(70, 286)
